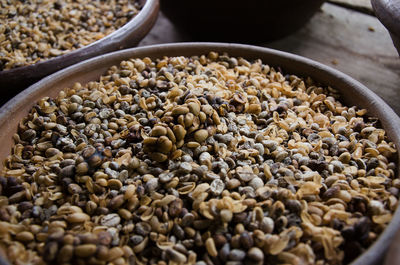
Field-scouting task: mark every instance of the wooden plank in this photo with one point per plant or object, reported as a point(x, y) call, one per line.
point(352, 42)
point(163, 32)
point(360, 5)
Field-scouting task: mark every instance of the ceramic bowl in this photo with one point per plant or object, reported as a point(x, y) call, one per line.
point(393, 254)
point(388, 12)
point(14, 80)
point(248, 21)
point(353, 93)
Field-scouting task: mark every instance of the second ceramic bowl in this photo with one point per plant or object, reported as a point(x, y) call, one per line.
point(14, 80)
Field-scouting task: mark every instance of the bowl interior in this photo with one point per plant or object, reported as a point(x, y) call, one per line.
point(353, 93)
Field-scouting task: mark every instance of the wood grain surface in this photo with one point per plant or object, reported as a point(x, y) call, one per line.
point(361, 5)
point(350, 41)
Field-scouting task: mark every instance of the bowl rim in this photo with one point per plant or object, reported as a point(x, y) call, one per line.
point(102, 44)
point(389, 119)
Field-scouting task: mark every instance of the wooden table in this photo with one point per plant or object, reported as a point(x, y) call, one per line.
point(343, 35)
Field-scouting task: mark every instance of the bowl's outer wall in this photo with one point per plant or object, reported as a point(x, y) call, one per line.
point(250, 21)
point(393, 254)
point(388, 12)
point(14, 80)
point(396, 40)
point(353, 93)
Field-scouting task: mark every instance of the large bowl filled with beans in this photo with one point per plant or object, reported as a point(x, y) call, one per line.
point(38, 38)
point(198, 153)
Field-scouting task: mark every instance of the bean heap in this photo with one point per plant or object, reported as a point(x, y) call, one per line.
point(37, 30)
point(202, 160)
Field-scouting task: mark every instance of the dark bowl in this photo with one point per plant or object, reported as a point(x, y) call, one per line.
point(353, 93)
point(248, 21)
point(14, 80)
point(388, 12)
